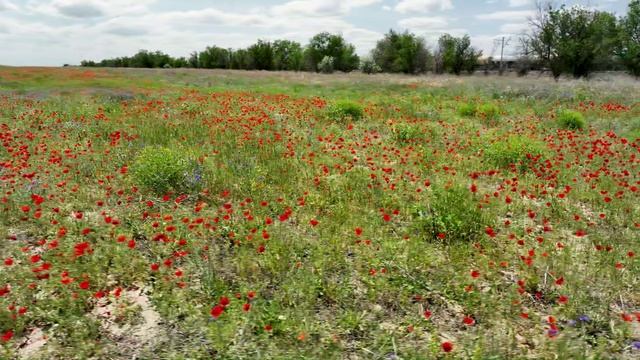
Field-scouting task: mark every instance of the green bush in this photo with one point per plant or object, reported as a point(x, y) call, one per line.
point(344, 110)
point(453, 213)
point(467, 110)
point(516, 149)
point(326, 65)
point(405, 133)
point(489, 111)
point(369, 66)
point(572, 120)
point(161, 169)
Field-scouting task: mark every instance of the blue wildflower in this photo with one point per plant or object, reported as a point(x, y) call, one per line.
point(584, 318)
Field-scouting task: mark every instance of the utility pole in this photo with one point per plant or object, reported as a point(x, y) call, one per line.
point(505, 42)
point(502, 57)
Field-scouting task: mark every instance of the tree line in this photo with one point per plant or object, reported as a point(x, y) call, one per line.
point(563, 40)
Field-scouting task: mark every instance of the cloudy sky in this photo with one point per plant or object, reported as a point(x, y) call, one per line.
point(54, 32)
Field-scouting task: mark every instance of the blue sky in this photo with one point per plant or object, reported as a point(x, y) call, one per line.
point(54, 32)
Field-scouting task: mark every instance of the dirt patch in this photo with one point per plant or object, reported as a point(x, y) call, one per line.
point(32, 344)
point(131, 322)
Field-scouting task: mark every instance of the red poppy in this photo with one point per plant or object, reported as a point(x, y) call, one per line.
point(84, 285)
point(7, 335)
point(216, 311)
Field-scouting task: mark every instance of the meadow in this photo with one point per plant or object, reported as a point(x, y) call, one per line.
point(197, 214)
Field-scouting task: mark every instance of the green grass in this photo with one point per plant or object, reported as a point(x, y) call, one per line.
point(331, 225)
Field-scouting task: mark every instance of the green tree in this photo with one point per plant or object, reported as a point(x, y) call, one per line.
point(287, 55)
point(575, 40)
point(455, 55)
point(180, 62)
point(261, 55)
point(241, 60)
point(193, 60)
point(628, 48)
point(214, 57)
point(401, 52)
point(330, 45)
point(141, 60)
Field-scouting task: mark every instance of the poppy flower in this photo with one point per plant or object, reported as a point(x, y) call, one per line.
point(84, 285)
point(468, 320)
point(7, 335)
point(447, 346)
point(216, 311)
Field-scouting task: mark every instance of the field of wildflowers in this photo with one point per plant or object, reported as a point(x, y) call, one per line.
point(186, 214)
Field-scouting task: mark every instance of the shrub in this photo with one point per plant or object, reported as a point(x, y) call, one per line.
point(161, 169)
point(326, 65)
point(406, 133)
point(572, 120)
point(369, 66)
point(453, 213)
point(515, 150)
point(489, 111)
point(467, 110)
point(344, 109)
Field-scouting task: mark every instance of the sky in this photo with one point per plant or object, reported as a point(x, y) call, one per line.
point(56, 32)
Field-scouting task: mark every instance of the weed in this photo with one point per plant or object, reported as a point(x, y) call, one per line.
point(515, 150)
point(405, 133)
point(467, 110)
point(162, 169)
point(452, 214)
point(345, 110)
point(571, 120)
point(489, 111)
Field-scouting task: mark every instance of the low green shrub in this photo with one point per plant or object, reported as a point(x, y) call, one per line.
point(571, 120)
point(489, 111)
point(162, 169)
point(369, 66)
point(515, 150)
point(326, 65)
point(467, 110)
point(404, 133)
point(451, 215)
point(345, 110)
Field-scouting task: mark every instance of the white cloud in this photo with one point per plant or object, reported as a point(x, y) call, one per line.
point(513, 15)
point(514, 28)
point(88, 9)
point(6, 5)
point(424, 23)
point(106, 32)
point(519, 3)
point(314, 8)
point(423, 6)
